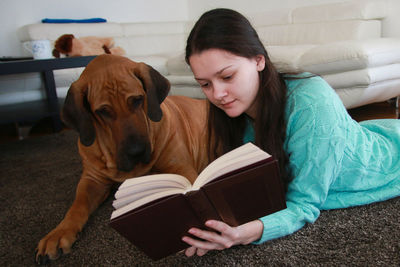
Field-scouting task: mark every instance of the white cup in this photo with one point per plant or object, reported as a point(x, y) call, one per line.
point(40, 49)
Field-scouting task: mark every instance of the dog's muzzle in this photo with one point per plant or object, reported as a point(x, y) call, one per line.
point(133, 151)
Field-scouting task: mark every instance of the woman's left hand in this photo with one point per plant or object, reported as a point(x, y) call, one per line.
point(224, 237)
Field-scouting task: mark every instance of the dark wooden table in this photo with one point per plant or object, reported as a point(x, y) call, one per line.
point(49, 107)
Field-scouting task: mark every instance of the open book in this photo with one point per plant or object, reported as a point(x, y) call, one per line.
point(155, 211)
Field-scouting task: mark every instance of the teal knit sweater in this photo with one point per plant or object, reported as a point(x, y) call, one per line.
point(335, 162)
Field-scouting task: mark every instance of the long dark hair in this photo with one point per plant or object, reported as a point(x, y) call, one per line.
point(230, 31)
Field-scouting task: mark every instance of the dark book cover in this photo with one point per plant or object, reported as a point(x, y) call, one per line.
point(235, 198)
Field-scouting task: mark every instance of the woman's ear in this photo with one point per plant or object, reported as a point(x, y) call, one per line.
point(260, 59)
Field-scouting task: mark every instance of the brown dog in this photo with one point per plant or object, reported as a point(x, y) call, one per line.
point(127, 128)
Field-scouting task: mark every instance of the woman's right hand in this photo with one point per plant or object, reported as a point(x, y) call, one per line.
point(224, 236)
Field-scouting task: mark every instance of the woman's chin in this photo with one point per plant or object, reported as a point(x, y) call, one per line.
point(233, 113)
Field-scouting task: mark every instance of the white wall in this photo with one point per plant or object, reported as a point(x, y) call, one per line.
point(16, 13)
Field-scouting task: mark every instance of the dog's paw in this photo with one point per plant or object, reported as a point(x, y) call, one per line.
point(55, 244)
point(43, 260)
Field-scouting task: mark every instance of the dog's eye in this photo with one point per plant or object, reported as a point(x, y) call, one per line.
point(105, 112)
point(135, 101)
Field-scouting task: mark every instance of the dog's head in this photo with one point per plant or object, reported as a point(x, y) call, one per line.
point(63, 45)
point(113, 100)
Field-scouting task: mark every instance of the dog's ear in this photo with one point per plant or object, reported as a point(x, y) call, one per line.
point(77, 115)
point(156, 87)
point(56, 53)
point(64, 43)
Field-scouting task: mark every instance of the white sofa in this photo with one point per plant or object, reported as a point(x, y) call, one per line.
point(342, 42)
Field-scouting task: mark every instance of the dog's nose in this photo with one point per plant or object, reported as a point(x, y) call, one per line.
point(135, 149)
point(131, 153)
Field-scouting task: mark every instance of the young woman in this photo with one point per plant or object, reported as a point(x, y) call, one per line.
point(327, 160)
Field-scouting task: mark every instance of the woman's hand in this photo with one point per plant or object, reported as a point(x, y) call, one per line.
point(225, 237)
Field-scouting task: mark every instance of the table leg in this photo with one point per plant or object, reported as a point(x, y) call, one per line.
point(52, 99)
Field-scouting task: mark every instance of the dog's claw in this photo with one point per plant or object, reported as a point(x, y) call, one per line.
point(42, 260)
point(60, 252)
point(36, 256)
point(46, 259)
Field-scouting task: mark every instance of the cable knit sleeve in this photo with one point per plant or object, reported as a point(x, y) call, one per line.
point(315, 144)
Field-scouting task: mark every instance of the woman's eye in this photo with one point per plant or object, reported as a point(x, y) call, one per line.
point(227, 78)
point(204, 85)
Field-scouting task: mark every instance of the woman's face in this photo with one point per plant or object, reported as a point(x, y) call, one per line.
point(230, 82)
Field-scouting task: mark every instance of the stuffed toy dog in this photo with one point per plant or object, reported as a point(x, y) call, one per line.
point(70, 46)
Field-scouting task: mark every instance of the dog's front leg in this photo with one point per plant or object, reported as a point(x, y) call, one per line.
point(89, 194)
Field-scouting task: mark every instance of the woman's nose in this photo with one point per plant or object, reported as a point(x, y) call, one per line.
point(219, 91)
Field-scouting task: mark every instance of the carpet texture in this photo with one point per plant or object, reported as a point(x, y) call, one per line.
point(38, 177)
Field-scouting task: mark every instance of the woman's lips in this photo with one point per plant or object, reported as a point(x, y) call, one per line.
point(228, 104)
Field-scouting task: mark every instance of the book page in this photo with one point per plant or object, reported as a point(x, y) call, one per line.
point(232, 165)
point(155, 177)
point(150, 182)
point(142, 201)
point(235, 159)
point(124, 200)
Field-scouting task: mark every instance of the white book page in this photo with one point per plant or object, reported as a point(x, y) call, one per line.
point(120, 202)
point(232, 165)
point(142, 201)
point(154, 177)
point(237, 152)
point(149, 182)
point(235, 159)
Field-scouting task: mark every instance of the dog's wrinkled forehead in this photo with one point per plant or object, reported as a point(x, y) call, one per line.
point(111, 78)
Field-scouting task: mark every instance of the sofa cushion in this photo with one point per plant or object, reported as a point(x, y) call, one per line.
point(319, 33)
point(177, 65)
point(349, 10)
point(183, 80)
point(51, 31)
point(286, 58)
point(364, 76)
point(142, 45)
point(157, 62)
point(193, 91)
point(151, 28)
point(279, 16)
point(350, 55)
